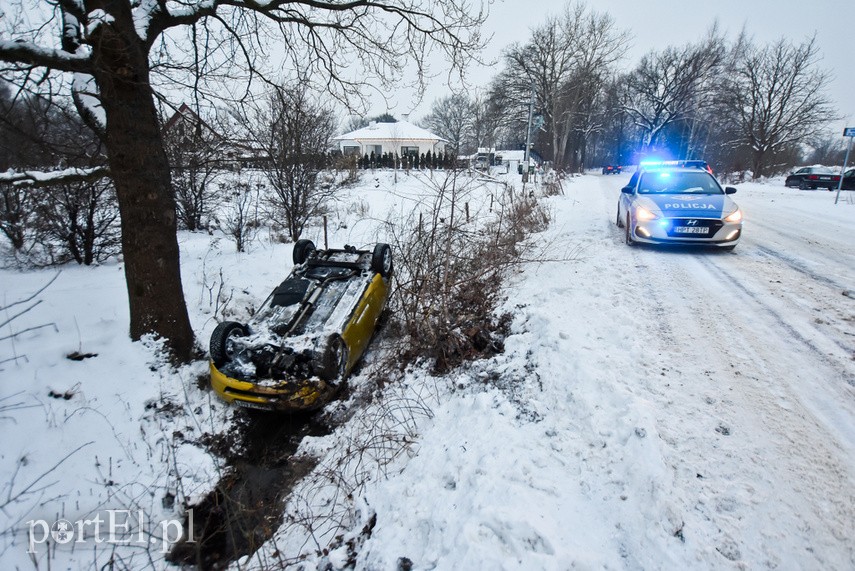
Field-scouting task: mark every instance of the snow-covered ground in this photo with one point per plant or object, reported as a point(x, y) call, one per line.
point(653, 409)
point(667, 409)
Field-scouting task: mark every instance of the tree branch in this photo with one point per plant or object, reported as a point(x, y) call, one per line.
point(37, 179)
point(28, 53)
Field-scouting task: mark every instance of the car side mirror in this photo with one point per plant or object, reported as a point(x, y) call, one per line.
point(626, 190)
point(729, 190)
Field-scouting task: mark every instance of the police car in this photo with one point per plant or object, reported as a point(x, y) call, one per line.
point(678, 202)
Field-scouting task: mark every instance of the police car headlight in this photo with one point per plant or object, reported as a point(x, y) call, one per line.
point(642, 213)
point(735, 216)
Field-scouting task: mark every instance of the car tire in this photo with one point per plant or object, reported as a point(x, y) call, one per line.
point(334, 361)
point(803, 185)
point(728, 248)
point(381, 260)
point(628, 233)
point(618, 220)
point(302, 250)
point(220, 346)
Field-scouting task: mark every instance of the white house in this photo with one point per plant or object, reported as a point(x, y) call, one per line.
point(402, 137)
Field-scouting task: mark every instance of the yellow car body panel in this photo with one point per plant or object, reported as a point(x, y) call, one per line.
point(358, 331)
point(288, 395)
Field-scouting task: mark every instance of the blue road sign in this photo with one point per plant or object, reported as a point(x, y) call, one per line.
point(849, 132)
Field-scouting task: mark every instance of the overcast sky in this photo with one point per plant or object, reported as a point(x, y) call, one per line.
point(654, 24)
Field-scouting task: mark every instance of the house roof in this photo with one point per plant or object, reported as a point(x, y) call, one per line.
point(390, 131)
point(184, 112)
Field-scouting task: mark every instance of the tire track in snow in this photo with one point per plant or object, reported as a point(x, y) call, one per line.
point(830, 253)
point(799, 267)
point(791, 330)
point(725, 501)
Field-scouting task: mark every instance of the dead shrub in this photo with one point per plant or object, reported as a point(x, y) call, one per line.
point(450, 269)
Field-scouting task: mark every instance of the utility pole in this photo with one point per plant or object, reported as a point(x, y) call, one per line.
point(528, 133)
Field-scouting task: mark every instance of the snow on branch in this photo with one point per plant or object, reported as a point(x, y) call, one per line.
point(40, 178)
point(96, 19)
point(28, 53)
point(87, 100)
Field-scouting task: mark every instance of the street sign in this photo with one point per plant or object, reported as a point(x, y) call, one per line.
point(849, 132)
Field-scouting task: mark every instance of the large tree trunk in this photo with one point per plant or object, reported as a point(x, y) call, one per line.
point(140, 172)
point(758, 164)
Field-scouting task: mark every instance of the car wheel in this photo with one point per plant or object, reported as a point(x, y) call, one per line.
point(803, 185)
point(618, 220)
point(222, 345)
point(302, 250)
point(628, 233)
point(334, 366)
point(381, 260)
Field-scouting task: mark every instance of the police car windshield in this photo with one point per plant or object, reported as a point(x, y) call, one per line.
point(678, 182)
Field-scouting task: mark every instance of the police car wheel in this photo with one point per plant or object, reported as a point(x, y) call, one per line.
point(618, 220)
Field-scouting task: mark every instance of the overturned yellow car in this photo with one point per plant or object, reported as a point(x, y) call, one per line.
point(310, 332)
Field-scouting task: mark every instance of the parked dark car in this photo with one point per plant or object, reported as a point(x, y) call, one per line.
point(812, 178)
point(612, 169)
point(849, 179)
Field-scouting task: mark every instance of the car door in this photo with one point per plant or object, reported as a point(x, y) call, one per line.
point(359, 330)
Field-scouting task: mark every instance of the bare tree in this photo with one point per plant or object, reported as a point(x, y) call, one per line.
point(37, 133)
point(451, 118)
point(195, 152)
point(294, 131)
point(670, 85)
point(486, 121)
point(566, 62)
point(108, 52)
point(777, 95)
point(241, 214)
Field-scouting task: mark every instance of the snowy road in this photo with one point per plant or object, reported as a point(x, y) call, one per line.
point(668, 408)
point(748, 358)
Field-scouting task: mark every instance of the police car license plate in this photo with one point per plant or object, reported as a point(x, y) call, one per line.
point(691, 230)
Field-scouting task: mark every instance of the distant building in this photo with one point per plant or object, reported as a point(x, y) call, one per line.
point(187, 136)
point(401, 137)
